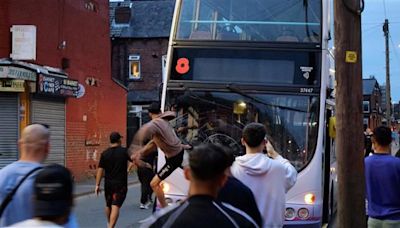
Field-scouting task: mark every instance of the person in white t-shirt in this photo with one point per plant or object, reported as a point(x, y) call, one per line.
point(268, 177)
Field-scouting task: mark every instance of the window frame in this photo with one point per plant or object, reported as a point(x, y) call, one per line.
point(134, 58)
point(368, 105)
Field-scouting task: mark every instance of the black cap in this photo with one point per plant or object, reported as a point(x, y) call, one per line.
point(155, 108)
point(115, 137)
point(53, 188)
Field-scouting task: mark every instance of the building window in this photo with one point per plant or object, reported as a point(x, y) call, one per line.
point(134, 67)
point(366, 107)
point(365, 122)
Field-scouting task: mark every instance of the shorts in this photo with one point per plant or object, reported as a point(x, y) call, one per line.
point(115, 194)
point(171, 164)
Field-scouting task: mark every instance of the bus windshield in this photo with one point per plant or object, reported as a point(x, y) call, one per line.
point(219, 117)
point(250, 20)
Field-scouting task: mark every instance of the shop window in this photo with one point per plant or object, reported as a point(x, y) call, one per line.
point(134, 67)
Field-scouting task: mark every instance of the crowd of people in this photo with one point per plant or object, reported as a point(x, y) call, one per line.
point(224, 191)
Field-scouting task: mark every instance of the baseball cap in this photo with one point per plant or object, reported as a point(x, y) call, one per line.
point(53, 188)
point(115, 137)
point(155, 107)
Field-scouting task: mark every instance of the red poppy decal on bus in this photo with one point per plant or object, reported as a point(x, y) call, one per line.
point(182, 66)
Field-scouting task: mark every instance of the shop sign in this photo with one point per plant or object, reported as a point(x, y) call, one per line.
point(56, 86)
point(23, 42)
point(10, 85)
point(17, 73)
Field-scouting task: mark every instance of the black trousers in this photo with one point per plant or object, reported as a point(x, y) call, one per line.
point(145, 176)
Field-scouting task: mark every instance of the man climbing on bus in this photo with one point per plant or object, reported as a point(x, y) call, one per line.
point(163, 136)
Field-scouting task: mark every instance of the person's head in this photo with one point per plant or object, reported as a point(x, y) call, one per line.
point(207, 167)
point(34, 143)
point(253, 136)
point(154, 109)
point(53, 194)
point(382, 137)
point(115, 138)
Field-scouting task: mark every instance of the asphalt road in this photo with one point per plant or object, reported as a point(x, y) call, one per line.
point(89, 210)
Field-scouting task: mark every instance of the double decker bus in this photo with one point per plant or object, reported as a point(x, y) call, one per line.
point(233, 62)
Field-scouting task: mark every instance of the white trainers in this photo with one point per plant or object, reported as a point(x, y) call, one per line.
point(148, 204)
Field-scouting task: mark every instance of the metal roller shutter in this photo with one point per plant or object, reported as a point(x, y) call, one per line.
point(8, 128)
point(52, 112)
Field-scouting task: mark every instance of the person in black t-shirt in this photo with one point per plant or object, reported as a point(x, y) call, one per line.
point(114, 163)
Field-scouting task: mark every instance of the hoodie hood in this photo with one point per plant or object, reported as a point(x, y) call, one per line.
point(254, 164)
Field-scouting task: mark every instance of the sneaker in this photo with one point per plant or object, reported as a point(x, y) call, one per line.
point(148, 204)
point(143, 206)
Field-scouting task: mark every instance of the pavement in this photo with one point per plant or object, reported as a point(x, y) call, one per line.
point(86, 187)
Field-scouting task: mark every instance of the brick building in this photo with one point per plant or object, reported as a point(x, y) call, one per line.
point(72, 37)
point(139, 38)
point(372, 109)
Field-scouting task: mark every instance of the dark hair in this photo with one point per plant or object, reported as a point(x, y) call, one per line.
point(383, 135)
point(253, 134)
point(208, 161)
point(155, 108)
point(115, 137)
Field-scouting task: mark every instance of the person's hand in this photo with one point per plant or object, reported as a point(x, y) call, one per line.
point(187, 146)
point(271, 150)
point(135, 157)
point(97, 190)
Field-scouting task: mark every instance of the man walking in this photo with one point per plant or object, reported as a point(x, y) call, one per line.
point(114, 163)
point(382, 176)
point(268, 178)
point(34, 148)
point(162, 135)
point(206, 172)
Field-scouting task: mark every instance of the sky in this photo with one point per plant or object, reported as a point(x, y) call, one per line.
point(373, 42)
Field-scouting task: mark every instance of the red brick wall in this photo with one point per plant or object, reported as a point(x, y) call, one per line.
point(4, 30)
point(85, 29)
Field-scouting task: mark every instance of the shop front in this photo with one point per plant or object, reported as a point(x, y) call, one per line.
point(31, 93)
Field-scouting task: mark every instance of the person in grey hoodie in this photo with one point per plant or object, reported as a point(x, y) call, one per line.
point(163, 136)
point(268, 177)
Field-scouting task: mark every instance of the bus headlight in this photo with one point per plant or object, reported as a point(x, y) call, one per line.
point(168, 200)
point(303, 213)
point(309, 198)
point(165, 187)
point(290, 213)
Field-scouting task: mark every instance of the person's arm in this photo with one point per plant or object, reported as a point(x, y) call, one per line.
point(148, 148)
point(99, 175)
point(290, 171)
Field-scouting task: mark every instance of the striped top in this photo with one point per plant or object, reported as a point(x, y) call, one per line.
point(200, 211)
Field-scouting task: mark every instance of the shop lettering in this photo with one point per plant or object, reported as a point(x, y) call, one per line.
point(57, 86)
point(47, 87)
